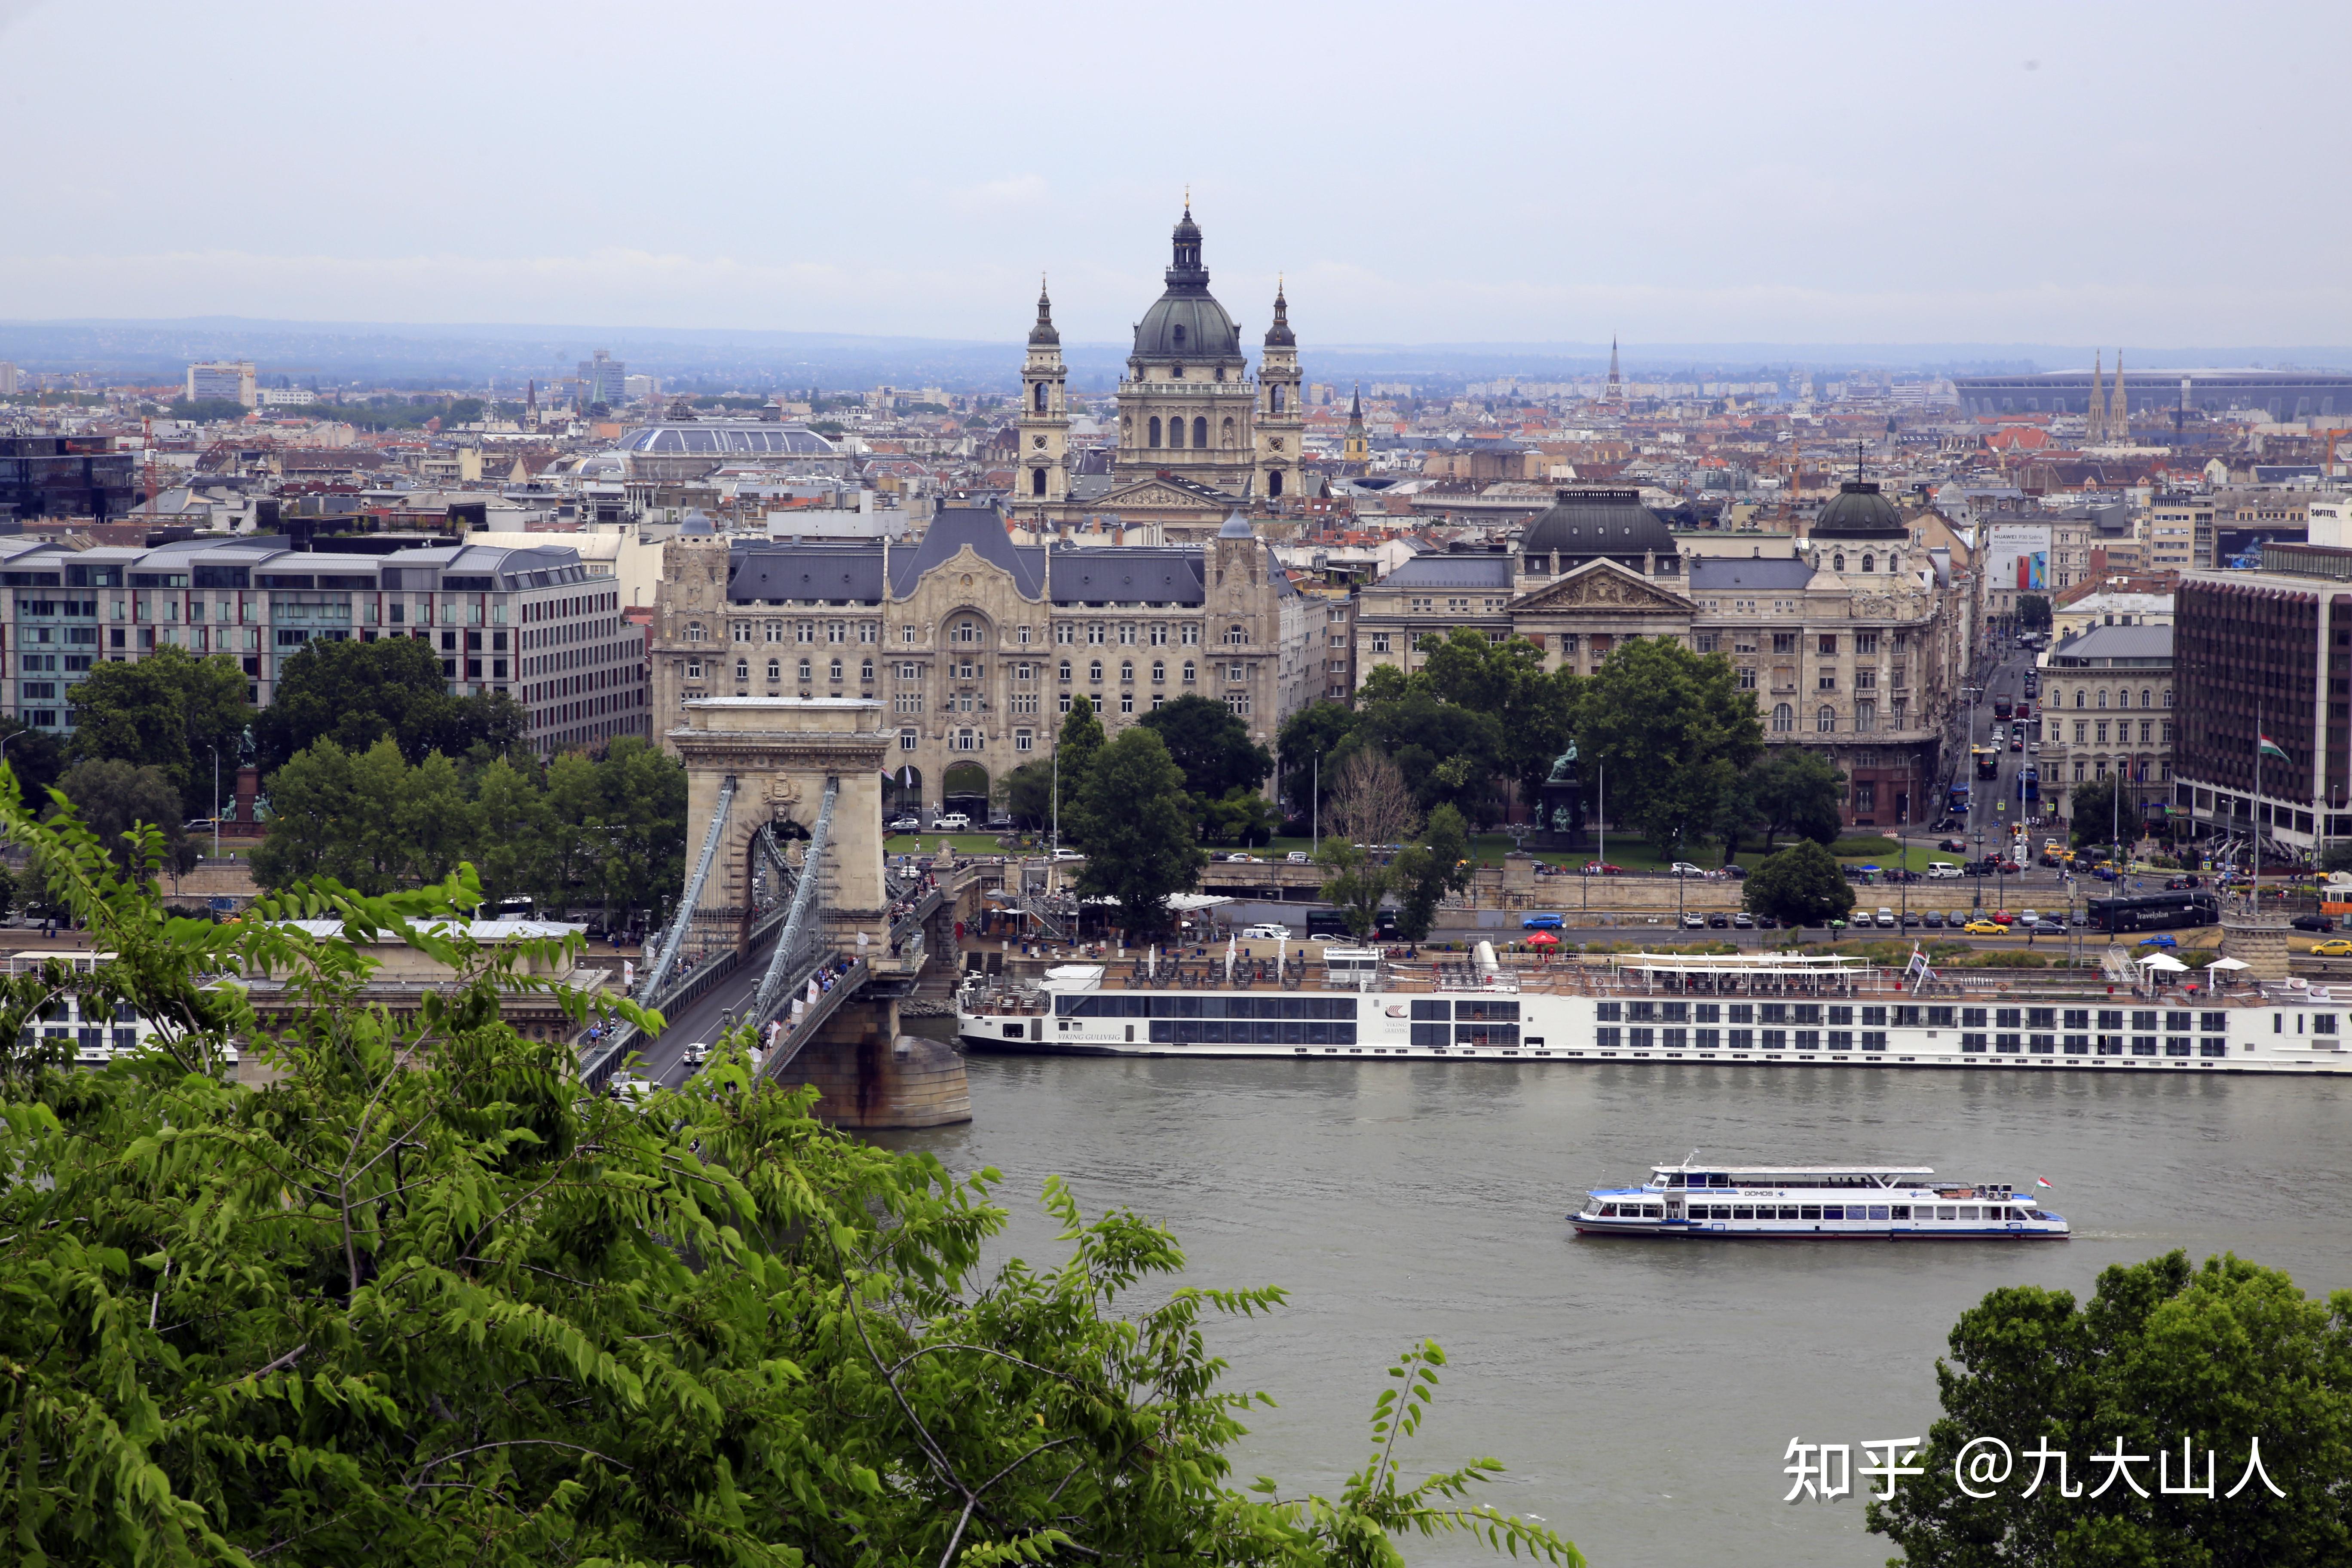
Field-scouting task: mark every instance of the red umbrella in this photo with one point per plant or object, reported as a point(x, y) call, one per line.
point(1543, 939)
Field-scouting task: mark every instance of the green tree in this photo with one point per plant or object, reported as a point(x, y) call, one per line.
point(116, 799)
point(1140, 832)
point(356, 692)
point(425, 1299)
point(1211, 747)
point(644, 821)
point(1073, 755)
point(1506, 680)
point(1355, 881)
point(1245, 816)
point(313, 829)
point(169, 710)
point(1801, 886)
point(2092, 814)
point(2216, 1357)
point(1305, 743)
point(1428, 871)
point(2033, 612)
point(1448, 755)
point(1674, 730)
point(37, 758)
point(1789, 790)
point(1027, 794)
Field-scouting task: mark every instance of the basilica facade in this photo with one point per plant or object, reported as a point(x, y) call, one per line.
point(1198, 434)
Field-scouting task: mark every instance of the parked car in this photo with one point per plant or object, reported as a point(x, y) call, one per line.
point(1938, 871)
point(1240, 860)
point(1693, 922)
point(1910, 918)
point(1886, 918)
point(2313, 923)
point(1736, 873)
point(1684, 868)
point(1540, 923)
point(2334, 947)
point(2162, 939)
point(2004, 918)
point(905, 824)
point(1600, 868)
point(1952, 846)
point(1298, 858)
point(1767, 923)
point(953, 821)
point(1720, 922)
point(1065, 854)
point(1265, 931)
point(1933, 919)
point(1743, 921)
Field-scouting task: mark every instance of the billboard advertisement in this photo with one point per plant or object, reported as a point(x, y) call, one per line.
point(2018, 556)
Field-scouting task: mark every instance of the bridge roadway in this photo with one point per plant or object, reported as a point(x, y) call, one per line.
point(662, 1058)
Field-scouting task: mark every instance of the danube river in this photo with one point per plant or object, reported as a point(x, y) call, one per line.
point(1640, 1393)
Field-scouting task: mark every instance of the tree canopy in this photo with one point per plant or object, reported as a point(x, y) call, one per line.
point(171, 710)
point(356, 692)
point(1140, 832)
point(2217, 1358)
point(114, 798)
point(1211, 746)
point(423, 1300)
point(607, 832)
point(1788, 790)
point(1801, 886)
point(1674, 730)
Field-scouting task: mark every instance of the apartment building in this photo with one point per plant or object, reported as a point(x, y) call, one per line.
point(537, 625)
point(2108, 708)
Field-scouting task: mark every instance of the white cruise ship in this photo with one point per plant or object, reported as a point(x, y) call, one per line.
point(1769, 1009)
point(1867, 1202)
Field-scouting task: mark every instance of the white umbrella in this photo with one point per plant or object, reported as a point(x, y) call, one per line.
point(2162, 961)
point(2228, 964)
point(1229, 958)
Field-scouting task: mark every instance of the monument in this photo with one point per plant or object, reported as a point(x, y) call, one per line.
point(1559, 807)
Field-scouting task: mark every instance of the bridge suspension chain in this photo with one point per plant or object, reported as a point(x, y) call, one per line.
point(797, 943)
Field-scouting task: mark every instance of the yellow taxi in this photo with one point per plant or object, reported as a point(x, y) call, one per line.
point(2335, 947)
point(1985, 928)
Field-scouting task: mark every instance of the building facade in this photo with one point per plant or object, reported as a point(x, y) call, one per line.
point(537, 625)
point(2107, 710)
point(977, 646)
point(1851, 647)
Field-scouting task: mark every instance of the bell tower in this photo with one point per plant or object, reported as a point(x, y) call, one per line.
point(1281, 420)
point(1044, 423)
point(1357, 451)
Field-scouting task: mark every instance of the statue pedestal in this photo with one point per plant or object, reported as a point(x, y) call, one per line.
point(2260, 945)
point(1561, 812)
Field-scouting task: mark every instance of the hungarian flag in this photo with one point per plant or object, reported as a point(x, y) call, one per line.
point(2269, 748)
point(2042, 1182)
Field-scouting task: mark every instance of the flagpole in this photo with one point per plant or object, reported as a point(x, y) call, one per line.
point(2255, 822)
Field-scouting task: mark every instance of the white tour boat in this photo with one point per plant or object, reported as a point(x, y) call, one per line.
point(1870, 1203)
point(1760, 1009)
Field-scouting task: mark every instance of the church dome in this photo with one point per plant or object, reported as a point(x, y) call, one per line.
point(1598, 521)
point(1043, 332)
point(1236, 527)
point(1859, 511)
point(1279, 336)
point(1186, 322)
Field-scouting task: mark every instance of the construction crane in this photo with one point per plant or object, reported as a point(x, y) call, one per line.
point(147, 431)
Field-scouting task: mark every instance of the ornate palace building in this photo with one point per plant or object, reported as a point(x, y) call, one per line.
point(1853, 646)
point(1198, 438)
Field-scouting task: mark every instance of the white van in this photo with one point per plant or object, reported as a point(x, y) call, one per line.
point(1938, 869)
point(1268, 932)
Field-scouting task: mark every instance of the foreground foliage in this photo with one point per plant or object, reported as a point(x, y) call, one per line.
point(424, 1301)
point(2166, 1352)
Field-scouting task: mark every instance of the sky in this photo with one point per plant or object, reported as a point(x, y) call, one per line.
point(1525, 174)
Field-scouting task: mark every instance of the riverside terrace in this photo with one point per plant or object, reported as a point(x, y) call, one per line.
point(1761, 1009)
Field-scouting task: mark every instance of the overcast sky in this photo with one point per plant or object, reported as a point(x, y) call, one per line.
point(2140, 174)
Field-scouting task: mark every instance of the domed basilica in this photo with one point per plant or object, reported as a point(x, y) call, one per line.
point(1198, 436)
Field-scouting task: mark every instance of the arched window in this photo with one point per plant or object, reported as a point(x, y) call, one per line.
point(1176, 432)
point(834, 674)
point(1159, 672)
point(1127, 670)
point(2146, 698)
point(1155, 429)
point(1784, 718)
point(1094, 670)
point(1236, 635)
point(1201, 431)
point(1825, 722)
point(866, 671)
point(1040, 398)
point(1036, 482)
point(1226, 438)
point(694, 632)
point(1274, 405)
point(2103, 696)
point(804, 672)
point(1837, 562)
point(776, 670)
point(965, 630)
point(1188, 672)
point(2081, 698)
point(1869, 563)
point(1273, 484)
point(1177, 336)
point(742, 669)
point(2168, 696)
point(1065, 670)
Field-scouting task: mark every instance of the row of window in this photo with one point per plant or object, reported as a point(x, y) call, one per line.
point(1608, 1037)
point(1146, 1004)
point(971, 633)
point(2085, 697)
point(1914, 1016)
point(1979, 1211)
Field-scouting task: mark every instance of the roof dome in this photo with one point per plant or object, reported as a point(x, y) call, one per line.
point(1186, 322)
point(1236, 527)
point(1859, 511)
point(697, 521)
point(1597, 522)
point(1044, 332)
point(1279, 336)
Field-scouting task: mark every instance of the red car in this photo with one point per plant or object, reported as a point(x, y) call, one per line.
point(1598, 869)
point(2002, 917)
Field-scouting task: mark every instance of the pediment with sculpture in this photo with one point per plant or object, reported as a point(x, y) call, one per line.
point(1603, 586)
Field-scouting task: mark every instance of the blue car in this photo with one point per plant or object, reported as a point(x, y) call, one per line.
point(1540, 923)
point(2159, 940)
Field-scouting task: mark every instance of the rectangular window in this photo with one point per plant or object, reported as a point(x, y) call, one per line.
point(1020, 740)
point(906, 739)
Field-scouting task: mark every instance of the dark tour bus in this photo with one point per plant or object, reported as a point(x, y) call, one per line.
point(2155, 911)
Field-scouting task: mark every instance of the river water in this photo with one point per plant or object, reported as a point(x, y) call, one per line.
point(1641, 1394)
